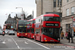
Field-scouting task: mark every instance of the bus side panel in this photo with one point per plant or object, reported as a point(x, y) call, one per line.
point(28, 35)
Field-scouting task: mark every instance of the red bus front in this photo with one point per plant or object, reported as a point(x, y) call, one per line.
point(21, 28)
point(48, 28)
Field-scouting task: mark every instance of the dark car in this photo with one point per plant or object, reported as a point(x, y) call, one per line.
point(11, 32)
point(2, 32)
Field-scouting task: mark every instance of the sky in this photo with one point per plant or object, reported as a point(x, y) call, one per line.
point(9, 7)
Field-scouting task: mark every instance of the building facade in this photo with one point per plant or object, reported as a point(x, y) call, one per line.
point(68, 11)
point(12, 21)
point(44, 6)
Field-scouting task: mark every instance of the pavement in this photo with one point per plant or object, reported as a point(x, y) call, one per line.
point(65, 42)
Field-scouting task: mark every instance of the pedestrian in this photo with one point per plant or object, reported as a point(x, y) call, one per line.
point(3, 33)
point(66, 35)
point(62, 35)
point(69, 36)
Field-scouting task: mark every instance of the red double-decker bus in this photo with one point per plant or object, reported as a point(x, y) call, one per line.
point(30, 28)
point(7, 26)
point(47, 28)
point(21, 28)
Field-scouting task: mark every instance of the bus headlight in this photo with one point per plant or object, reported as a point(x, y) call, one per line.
point(44, 38)
point(17, 33)
point(26, 34)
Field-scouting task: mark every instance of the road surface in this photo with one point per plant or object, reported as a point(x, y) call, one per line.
point(11, 42)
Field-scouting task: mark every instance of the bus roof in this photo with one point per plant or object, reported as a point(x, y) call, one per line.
point(48, 15)
point(31, 20)
point(22, 21)
point(51, 15)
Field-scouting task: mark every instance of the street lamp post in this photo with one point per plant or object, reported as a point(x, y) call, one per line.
point(72, 32)
point(22, 11)
point(20, 7)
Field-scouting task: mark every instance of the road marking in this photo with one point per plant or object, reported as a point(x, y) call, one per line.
point(38, 44)
point(15, 43)
point(21, 48)
point(26, 42)
point(4, 41)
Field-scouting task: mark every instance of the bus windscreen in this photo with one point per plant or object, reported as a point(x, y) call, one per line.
point(51, 32)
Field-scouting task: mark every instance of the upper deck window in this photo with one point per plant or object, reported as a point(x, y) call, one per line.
point(51, 18)
point(22, 22)
point(28, 22)
point(33, 21)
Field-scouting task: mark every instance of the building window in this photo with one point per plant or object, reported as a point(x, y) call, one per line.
point(59, 3)
point(67, 0)
point(54, 1)
point(67, 12)
point(72, 10)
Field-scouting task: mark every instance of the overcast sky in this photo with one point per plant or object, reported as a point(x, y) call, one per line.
point(8, 6)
